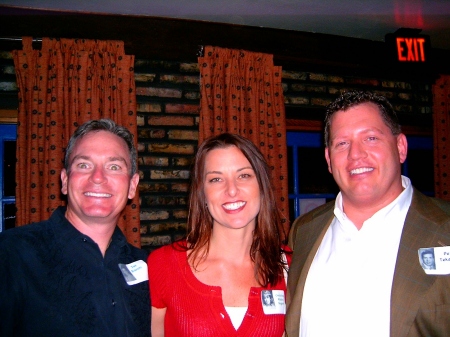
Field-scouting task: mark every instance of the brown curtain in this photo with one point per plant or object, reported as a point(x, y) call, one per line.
point(241, 93)
point(61, 86)
point(441, 120)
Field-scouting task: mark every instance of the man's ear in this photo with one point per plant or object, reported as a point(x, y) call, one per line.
point(327, 157)
point(133, 186)
point(402, 146)
point(64, 178)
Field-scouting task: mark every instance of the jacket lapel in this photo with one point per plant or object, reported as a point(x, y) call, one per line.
point(410, 281)
point(299, 272)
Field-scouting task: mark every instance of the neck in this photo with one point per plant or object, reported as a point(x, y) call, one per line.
point(362, 211)
point(232, 244)
point(100, 233)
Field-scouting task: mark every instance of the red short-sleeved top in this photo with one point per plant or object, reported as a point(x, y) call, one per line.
point(196, 309)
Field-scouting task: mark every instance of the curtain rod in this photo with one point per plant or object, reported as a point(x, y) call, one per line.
point(18, 39)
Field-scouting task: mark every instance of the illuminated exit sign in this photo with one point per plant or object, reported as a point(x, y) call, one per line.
point(407, 46)
point(411, 49)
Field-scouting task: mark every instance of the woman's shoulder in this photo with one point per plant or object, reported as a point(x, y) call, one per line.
point(168, 252)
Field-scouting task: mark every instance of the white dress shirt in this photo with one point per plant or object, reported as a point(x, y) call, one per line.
point(348, 287)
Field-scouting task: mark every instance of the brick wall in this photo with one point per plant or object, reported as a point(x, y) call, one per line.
point(312, 90)
point(168, 97)
point(168, 113)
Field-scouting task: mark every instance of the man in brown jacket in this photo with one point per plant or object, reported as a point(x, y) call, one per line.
point(356, 270)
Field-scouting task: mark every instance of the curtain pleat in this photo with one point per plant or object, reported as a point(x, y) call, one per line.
point(241, 93)
point(61, 86)
point(441, 121)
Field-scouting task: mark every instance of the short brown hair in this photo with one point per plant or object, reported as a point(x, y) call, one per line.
point(353, 98)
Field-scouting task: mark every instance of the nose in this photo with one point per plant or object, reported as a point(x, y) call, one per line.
point(356, 151)
point(98, 175)
point(231, 188)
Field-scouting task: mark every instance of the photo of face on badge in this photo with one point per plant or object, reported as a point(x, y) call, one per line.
point(267, 298)
point(427, 258)
point(273, 302)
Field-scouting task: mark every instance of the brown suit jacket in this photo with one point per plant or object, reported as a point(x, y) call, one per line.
point(420, 303)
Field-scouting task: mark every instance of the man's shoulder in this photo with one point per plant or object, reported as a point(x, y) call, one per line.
point(25, 243)
point(435, 209)
point(35, 228)
point(323, 210)
point(170, 251)
point(444, 205)
point(22, 232)
point(311, 224)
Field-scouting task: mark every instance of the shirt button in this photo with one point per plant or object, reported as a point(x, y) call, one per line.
point(113, 303)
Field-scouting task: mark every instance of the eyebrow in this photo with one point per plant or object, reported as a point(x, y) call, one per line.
point(364, 131)
point(84, 157)
point(239, 170)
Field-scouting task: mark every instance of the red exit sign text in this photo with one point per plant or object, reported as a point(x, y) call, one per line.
point(408, 48)
point(411, 49)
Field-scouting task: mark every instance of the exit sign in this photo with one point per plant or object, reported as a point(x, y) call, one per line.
point(411, 49)
point(407, 46)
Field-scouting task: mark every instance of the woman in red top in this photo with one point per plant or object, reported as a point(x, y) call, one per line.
point(212, 283)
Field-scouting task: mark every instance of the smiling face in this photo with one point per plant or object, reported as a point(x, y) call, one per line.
point(231, 188)
point(98, 184)
point(428, 259)
point(365, 157)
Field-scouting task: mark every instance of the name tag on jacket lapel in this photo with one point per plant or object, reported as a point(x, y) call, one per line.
point(435, 260)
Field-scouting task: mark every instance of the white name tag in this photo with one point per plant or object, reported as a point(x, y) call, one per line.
point(273, 302)
point(435, 260)
point(135, 272)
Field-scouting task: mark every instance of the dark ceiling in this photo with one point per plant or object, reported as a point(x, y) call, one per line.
point(364, 19)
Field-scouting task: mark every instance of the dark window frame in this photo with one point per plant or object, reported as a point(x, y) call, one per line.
point(8, 132)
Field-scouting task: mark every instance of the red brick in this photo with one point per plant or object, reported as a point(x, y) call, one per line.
point(182, 108)
point(170, 120)
point(159, 92)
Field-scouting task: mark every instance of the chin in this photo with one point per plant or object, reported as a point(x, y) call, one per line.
point(98, 213)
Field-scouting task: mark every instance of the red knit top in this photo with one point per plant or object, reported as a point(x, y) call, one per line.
point(196, 309)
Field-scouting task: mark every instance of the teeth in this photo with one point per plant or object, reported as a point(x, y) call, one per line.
point(234, 205)
point(98, 195)
point(361, 170)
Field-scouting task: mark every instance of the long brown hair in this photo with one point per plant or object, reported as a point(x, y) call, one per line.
point(265, 250)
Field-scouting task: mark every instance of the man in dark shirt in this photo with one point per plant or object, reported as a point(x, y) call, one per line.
point(75, 274)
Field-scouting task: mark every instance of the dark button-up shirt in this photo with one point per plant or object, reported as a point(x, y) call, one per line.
point(54, 281)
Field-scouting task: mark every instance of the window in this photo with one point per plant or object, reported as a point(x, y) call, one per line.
point(419, 165)
point(310, 183)
point(7, 175)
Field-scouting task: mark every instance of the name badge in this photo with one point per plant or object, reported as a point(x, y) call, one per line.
point(273, 302)
point(135, 272)
point(435, 260)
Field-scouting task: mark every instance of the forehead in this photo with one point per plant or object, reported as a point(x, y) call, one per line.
point(101, 143)
point(365, 113)
point(219, 155)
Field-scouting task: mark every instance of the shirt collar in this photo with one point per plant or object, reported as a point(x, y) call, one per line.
point(402, 201)
point(65, 232)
